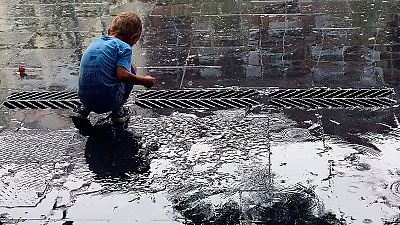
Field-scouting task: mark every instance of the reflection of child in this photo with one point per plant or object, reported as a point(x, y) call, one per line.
point(106, 75)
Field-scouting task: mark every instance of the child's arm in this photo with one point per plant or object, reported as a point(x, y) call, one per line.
point(126, 76)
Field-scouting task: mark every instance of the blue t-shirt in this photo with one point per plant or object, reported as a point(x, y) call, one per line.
point(99, 88)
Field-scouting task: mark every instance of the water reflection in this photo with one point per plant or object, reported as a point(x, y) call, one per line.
point(225, 43)
point(295, 43)
point(392, 56)
point(348, 125)
point(296, 205)
point(115, 153)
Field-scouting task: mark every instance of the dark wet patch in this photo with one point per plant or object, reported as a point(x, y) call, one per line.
point(347, 125)
point(115, 153)
point(367, 221)
point(363, 166)
point(274, 207)
point(296, 134)
point(362, 145)
point(394, 221)
point(201, 212)
point(293, 210)
point(395, 188)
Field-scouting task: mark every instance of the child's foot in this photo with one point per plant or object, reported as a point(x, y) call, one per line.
point(83, 125)
point(120, 115)
point(81, 112)
point(80, 119)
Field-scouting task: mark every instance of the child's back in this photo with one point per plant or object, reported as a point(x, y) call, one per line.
point(106, 76)
point(99, 88)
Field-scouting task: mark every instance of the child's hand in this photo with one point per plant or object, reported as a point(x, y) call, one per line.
point(134, 66)
point(148, 81)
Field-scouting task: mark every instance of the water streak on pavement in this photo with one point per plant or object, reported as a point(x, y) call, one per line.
point(205, 167)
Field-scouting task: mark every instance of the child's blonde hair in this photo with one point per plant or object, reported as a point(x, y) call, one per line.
point(126, 24)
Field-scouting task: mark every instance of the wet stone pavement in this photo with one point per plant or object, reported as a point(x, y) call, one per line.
point(223, 167)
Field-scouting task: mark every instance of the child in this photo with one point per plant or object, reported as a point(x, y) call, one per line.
point(106, 75)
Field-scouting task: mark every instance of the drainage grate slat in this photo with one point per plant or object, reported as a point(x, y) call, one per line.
point(218, 98)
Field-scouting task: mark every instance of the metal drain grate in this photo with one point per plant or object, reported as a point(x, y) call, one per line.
point(331, 98)
point(198, 94)
point(42, 100)
point(197, 99)
point(220, 98)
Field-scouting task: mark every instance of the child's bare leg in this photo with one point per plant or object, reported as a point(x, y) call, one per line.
point(121, 113)
point(128, 90)
point(128, 87)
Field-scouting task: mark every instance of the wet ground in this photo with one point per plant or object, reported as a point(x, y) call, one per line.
point(266, 166)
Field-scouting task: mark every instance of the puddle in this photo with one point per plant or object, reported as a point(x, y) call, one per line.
point(112, 153)
point(363, 166)
point(395, 188)
point(285, 206)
